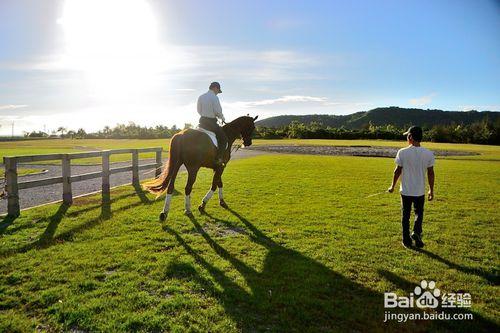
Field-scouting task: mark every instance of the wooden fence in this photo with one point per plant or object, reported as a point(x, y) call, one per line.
point(13, 186)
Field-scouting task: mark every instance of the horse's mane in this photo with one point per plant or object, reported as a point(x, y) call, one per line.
point(236, 122)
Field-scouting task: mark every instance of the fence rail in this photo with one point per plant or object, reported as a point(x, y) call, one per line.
point(12, 186)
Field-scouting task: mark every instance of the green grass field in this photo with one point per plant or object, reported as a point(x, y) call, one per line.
point(24, 172)
point(300, 249)
point(21, 171)
point(50, 146)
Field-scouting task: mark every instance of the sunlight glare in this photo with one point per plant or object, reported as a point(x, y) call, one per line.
point(115, 43)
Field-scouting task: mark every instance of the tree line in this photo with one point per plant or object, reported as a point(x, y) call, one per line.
point(120, 131)
point(483, 132)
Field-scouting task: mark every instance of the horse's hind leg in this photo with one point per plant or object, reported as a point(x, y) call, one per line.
point(192, 172)
point(170, 190)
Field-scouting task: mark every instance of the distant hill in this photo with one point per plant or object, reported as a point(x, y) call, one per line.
point(399, 117)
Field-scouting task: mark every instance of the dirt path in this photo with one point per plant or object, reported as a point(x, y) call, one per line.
point(40, 195)
point(349, 150)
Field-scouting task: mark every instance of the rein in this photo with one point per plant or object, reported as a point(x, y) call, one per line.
point(236, 147)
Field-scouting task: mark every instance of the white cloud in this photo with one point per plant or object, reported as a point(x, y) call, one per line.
point(280, 100)
point(423, 100)
point(319, 101)
point(479, 107)
point(185, 89)
point(12, 106)
point(252, 65)
point(291, 104)
point(70, 99)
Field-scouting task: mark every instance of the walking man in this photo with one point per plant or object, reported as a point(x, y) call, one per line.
point(412, 163)
point(210, 109)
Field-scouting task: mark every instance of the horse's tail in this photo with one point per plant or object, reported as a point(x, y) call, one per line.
point(159, 184)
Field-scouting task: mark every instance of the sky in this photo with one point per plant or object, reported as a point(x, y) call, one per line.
point(91, 63)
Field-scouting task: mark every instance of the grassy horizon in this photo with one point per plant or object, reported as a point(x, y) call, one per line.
point(51, 146)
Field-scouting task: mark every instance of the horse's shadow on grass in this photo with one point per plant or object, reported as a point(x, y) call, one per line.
point(293, 292)
point(290, 293)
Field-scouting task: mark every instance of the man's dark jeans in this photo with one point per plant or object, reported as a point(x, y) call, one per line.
point(210, 124)
point(418, 205)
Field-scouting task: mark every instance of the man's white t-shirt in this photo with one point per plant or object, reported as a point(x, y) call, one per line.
point(414, 161)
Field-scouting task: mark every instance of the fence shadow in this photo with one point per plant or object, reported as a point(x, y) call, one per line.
point(49, 237)
point(50, 231)
point(141, 193)
point(105, 206)
point(6, 222)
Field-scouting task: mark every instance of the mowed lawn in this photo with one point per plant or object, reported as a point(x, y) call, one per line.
point(51, 146)
point(301, 249)
point(23, 172)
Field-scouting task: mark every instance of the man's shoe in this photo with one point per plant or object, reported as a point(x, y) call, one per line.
point(418, 240)
point(407, 243)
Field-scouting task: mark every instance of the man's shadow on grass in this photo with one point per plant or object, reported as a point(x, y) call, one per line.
point(290, 293)
point(491, 277)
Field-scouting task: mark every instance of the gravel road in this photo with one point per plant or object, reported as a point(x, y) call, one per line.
point(45, 194)
point(349, 150)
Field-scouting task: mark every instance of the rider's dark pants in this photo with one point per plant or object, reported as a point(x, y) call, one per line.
point(418, 206)
point(211, 125)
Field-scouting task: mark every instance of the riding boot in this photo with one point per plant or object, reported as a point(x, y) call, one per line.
point(219, 159)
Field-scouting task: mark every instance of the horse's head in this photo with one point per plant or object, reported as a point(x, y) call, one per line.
point(242, 127)
point(246, 129)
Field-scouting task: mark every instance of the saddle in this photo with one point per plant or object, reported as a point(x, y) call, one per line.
point(210, 134)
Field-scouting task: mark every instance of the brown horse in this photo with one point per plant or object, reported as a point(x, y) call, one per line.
point(194, 149)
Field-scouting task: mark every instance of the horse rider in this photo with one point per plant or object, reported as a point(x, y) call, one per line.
point(210, 109)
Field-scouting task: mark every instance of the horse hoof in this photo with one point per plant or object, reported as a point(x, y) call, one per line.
point(188, 213)
point(201, 209)
point(163, 217)
point(223, 204)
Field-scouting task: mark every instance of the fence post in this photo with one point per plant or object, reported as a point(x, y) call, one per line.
point(66, 176)
point(12, 189)
point(105, 173)
point(158, 163)
point(135, 167)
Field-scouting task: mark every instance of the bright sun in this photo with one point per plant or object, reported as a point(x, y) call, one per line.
point(114, 42)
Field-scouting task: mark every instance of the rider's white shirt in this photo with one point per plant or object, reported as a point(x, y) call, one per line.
point(209, 106)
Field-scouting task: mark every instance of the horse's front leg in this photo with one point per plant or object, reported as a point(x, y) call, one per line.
point(210, 193)
point(221, 195)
